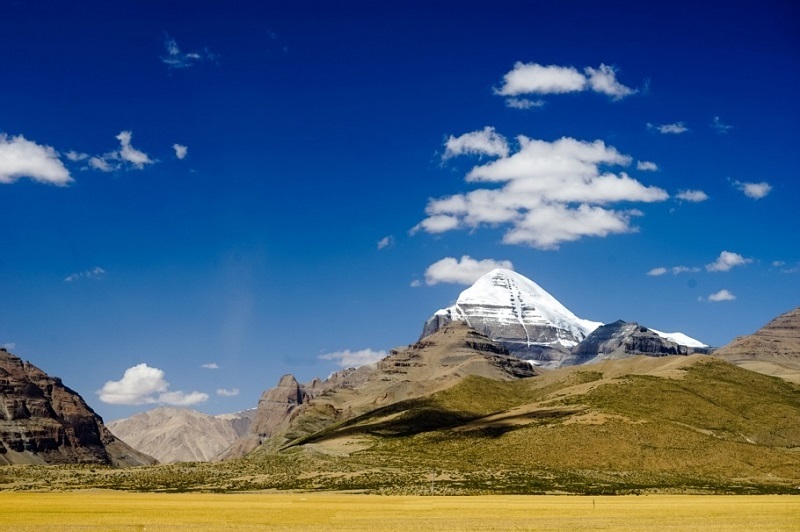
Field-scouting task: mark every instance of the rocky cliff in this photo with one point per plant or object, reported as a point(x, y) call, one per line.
point(44, 422)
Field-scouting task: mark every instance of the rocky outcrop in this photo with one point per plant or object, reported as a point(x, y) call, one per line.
point(44, 422)
point(623, 339)
point(181, 434)
point(773, 350)
point(291, 411)
point(273, 415)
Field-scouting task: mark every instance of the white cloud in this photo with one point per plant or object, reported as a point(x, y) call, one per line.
point(142, 385)
point(465, 270)
point(604, 81)
point(354, 359)
point(222, 392)
point(667, 129)
point(754, 190)
point(523, 103)
point(128, 153)
point(719, 126)
point(20, 157)
point(102, 163)
point(95, 273)
point(114, 160)
point(533, 78)
point(694, 196)
point(180, 150)
point(484, 142)
point(722, 295)
point(655, 272)
point(778, 263)
point(386, 242)
point(726, 261)
point(646, 166)
point(210, 365)
point(684, 269)
point(75, 156)
point(177, 59)
point(549, 192)
point(8, 346)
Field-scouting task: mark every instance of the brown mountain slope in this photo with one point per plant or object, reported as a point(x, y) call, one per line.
point(181, 434)
point(682, 422)
point(773, 350)
point(44, 422)
point(436, 362)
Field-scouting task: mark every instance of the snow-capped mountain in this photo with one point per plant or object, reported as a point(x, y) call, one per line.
point(515, 311)
point(511, 309)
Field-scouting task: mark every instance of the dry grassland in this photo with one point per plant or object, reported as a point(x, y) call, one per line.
point(124, 511)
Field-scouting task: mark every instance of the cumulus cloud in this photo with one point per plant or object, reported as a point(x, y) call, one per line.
point(9, 346)
point(675, 270)
point(485, 142)
point(547, 193)
point(20, 158)
point(465, 270)
point(142, 384)
point(694, 196)
point(354, 359)
point(669, 129)
point(646, 166)
point(95, 273)
point(386, 242)
point(125, 156)
point(754, 190)
point(222, 392)
point(655, 272)
point(726, 261)
point(604, 80)
point(210, 365)
point(180, 150)
point(722, 295)
point(719, 126)
point(175, 58)
point(533, 78)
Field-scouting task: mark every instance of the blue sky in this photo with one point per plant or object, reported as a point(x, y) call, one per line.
point(200, 198)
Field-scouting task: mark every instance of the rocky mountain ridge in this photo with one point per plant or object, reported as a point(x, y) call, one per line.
point(172, 434)
point(773, 350)
point(292, 410)
point(518, 313)
point(44, 422)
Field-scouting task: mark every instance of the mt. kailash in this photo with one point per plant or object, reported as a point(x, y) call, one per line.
point(516, 312)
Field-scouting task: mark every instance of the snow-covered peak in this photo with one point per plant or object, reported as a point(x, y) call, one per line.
point(681, 339)
point(510, 290)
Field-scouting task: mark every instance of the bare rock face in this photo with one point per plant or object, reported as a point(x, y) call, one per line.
point(773, 350)
point(44, 422)
point(273, 415)
point(291, 411)
point(624, 340)
point(181, 434)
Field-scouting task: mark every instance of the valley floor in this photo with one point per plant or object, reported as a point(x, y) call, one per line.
point(90, 510)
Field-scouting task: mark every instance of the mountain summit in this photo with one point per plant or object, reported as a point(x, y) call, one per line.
point(515, 311)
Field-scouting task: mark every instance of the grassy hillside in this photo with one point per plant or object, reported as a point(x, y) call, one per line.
point(687, 424)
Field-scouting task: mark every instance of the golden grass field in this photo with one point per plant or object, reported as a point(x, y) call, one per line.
point(126, 511)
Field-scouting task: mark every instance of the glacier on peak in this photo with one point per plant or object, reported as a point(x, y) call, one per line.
point(518, 313)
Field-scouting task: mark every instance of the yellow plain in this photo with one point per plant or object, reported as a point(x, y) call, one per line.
point(124, 511)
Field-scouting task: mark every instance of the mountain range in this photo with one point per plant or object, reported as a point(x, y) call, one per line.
point(572, 402)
